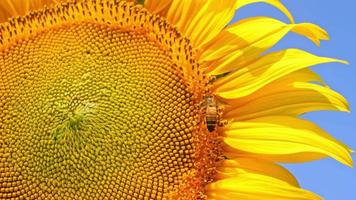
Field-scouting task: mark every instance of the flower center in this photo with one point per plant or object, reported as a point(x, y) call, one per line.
point(94, 110)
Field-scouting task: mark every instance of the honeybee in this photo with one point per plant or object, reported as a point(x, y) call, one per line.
point(211, 113)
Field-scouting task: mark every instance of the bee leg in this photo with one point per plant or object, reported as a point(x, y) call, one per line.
point(223, 123)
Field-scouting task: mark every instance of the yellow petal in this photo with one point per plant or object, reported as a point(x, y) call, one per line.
point(12, 8)
point(266, 70)
point(276, 3)
point(303, 75)
point(246, 32)
point(200, 20)
point(312, 32)
point(247, 39)
point(158, 6)
point(256, 187)
point(282, 135)
point(233, 168)
point(295, 99)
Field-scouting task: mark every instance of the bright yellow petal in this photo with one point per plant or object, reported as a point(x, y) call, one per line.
point(282, 135)
point(233, 168)
point(200, 20)
point(158, 6)
point(246, 32)
point(303, 75)
point(312, 32)
point(276, 3)
point(295, 99)
point(266, 70)
point(12, 8)
point(256, 187)
point(247, 39)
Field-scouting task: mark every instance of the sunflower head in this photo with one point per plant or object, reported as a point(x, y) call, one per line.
point(112, 99)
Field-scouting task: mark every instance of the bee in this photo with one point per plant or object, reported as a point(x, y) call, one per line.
point(211, 113)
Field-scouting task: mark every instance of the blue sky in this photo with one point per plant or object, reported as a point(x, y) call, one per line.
point(326, 177)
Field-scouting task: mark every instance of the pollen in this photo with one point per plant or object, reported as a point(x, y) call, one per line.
point(103, 104)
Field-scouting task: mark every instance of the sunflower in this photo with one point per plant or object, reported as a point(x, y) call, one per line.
point(120, 99)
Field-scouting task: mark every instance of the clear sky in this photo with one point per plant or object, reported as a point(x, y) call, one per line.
point(326, 177)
